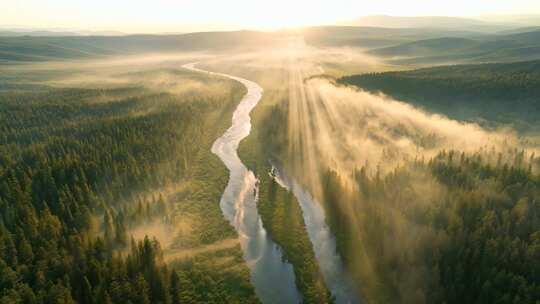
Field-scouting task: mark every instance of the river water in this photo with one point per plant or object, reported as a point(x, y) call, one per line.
point(272, 277)
point(335, 276)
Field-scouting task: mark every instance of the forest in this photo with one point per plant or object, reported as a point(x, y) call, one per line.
point(474, 241)
point(81, 168)
point(428, 179)
point(455, 227)
point(498, 92)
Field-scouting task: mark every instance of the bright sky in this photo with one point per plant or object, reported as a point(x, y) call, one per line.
point(186, 15)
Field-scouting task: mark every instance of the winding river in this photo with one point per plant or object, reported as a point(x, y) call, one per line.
point(273, 278)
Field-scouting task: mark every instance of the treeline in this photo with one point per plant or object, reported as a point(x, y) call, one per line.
point(71, 161)
point(455, 229)
point(502, 92)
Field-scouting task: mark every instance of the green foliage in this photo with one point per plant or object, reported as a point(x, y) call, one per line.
point(280, 212)
point(215, 277)
point(505, 92)
point(469, 236)
point(438, 231)
point(73, 165)
point(282, 217)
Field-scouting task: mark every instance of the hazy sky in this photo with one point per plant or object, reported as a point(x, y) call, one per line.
point(184, 15)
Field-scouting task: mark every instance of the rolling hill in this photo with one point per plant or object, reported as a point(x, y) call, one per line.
point(375, 37)
point(500, 93)
point(28, 48)
point(440, 22)
point(427, 47)
point(451, 50)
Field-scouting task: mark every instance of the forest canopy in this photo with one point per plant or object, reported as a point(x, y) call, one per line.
point(501, 92)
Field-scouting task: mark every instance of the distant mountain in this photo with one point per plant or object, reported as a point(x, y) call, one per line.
point(102, 33)
point(72, 46)
point(427, 47)
point(519, 30)
point(13, 32)
point(27, 48)
point(375, 37)
point(402, 46)
point(454, 50)
point(527, 37)
point(430, 22)
point(518, 20)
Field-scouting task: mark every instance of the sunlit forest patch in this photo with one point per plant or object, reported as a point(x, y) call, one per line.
point(105, 171)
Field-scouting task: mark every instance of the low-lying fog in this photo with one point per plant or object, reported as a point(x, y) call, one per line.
point(329, 126)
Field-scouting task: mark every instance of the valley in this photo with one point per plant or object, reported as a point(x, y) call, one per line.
point(343, 163)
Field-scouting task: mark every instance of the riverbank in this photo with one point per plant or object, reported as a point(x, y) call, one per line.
point(281, 214)
point(269, 270)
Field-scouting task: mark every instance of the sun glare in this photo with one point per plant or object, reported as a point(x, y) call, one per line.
point(193, 15)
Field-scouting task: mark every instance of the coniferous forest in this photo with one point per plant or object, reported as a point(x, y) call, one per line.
point(387, 160)
point(454, 227)
point(76, 169)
